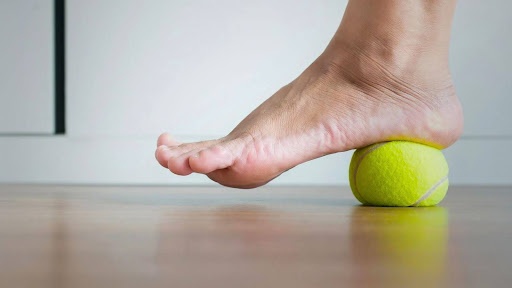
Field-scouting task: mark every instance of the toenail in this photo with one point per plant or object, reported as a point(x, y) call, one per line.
point(163, 147)
point(196, 155)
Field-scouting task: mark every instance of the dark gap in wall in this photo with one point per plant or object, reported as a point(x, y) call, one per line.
point(60, 66)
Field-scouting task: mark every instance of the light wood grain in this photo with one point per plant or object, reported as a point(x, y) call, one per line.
point(66, 236)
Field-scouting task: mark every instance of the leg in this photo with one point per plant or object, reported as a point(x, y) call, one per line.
point(384, 76)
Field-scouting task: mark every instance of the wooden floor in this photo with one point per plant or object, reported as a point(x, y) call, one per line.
point(66, 236)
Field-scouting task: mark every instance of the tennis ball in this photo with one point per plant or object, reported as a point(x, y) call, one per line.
point(398, 173)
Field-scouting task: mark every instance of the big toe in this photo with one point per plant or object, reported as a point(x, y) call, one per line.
point(167, 139)
point(163, 144)
point(162, 155)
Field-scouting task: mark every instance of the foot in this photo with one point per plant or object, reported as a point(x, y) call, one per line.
point(350, 97)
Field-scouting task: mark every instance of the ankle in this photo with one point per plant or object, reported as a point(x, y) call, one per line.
point(399, 35)
point(425, 73)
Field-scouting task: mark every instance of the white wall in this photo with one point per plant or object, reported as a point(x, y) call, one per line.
point(480, 58)
point(139, 68)
point(26, 67)
point(196, 68)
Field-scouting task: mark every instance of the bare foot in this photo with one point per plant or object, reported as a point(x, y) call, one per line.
point(358, 92)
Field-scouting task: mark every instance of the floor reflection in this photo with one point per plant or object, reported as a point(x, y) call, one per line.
point(393, 247)
point(227, 232)
point(250, 246)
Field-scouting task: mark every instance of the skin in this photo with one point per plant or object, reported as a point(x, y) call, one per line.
point(384, 76)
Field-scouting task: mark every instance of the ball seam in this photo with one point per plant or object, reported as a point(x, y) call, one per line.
point(430, 191)
point(359, 161)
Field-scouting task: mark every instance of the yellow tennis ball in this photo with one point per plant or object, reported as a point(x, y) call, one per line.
point(398, 173)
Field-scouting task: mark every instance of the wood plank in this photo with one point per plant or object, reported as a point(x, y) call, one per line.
point(86, 236)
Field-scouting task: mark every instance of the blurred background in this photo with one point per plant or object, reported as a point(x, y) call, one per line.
point(86, 86)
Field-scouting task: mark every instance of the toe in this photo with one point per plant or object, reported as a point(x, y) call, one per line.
point(167, 139)
point(162, 155)
point(172, 156)
point(164, 152)
point(211, 159)
point(180, 164)
point(187, 147)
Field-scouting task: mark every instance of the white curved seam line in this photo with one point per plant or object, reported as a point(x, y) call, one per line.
point(359, 163)
point(430, 191)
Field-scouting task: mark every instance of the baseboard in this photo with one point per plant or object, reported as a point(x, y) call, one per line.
point(129, 161)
